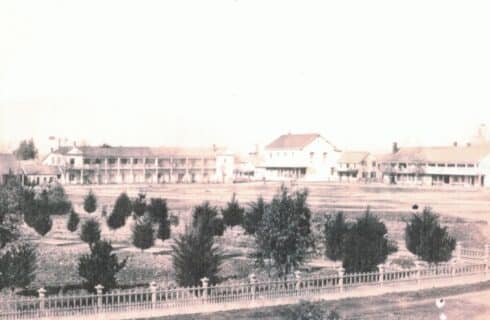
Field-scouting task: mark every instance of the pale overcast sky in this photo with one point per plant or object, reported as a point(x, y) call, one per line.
point(237, 73)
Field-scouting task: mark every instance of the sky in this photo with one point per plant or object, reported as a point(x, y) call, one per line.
point(238, 73)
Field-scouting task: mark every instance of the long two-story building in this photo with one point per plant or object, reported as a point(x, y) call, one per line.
point(105, 165)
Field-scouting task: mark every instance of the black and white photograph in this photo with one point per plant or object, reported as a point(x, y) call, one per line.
point(244, 159)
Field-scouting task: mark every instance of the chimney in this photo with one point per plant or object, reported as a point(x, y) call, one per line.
point(455, 143)
point(395, 147)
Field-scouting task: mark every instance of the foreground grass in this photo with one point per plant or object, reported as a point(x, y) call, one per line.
point(409, 305)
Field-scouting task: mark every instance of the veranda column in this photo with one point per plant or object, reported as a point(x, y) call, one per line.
point(144, 169)
point(156, 171)
point(486, 258)
point(106, 177)
point(119, 178)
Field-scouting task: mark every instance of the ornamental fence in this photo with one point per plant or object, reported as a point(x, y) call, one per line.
point(164, 300)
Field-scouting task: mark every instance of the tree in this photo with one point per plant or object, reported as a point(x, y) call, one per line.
point(26, 150)
point(58, 201)
point(194, 257)
point(18, 266)
point(366, 244)
point(335, 231)
point(284, 236)
point(163, 232)
point(73, 221)
point(205, 217)
point(425, 238)
point(90, 202)
point(143, 234)
point(100, 266)
point(158, 209)
point(233, 213)
point(139, 205)
point(253, 216)
point(90, 232)
point(11, 202)
point(122, 209)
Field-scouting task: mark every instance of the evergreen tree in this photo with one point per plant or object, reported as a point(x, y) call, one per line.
point(90, 202)
point(284, 236)
point(26, 150)
point(253, 216)
point(143, 234)
point(58, 201)
point(163, 231)
point(73, 221)
point(205, 217)
point(425, 238)
point(139, 205)
point(233, 213)
point(100, 266)
point(158, 209)
point(122, 209)
point(335, 232)
point(90, 232)
point(366, 244)
point(195, 256)
point(18, 266)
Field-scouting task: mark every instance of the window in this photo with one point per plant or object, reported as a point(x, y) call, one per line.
point(471, 165)
point(86, 161)
point(461, 165)
point(98, 161)
point(441, 164)
point(72, 161)
point(374, 164)
point(432, 164)
point(451, 165)
point(312, 154)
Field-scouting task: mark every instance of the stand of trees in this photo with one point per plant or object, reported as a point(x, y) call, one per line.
point(26, 150)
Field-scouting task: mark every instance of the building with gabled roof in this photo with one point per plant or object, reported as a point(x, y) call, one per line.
point(9, 166)
point(467, 165)
point(122, 164)
point(300, 156)
point(357, 166)
point(34, 172)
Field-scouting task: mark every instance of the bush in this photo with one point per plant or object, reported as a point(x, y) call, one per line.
point(425, 238)
point(18, 266)
point(59, 203)
point(194, 257)
point(158, 209)
point(90, 202)
point(163, 231)
point(233, 213)
point(139, 205)
point(123, 205)
point(73, 221)
point(366, 245)
point(100, 266)
point(253, 216)
point(143, 235)
point(205, 218)
point(42, 224)
point(90, 232)
point(335, 231)
point(304, 310)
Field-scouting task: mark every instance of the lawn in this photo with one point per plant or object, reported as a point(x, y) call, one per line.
point(59, 250)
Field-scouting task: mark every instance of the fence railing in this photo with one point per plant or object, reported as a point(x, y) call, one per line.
point(154, 297)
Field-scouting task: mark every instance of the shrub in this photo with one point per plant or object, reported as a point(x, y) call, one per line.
point(335, 231)
point(139, 205)
point(158, 209)
point(100, 266)
point(194, 257)
point(143, 235)
point(42, 224)
point(425, 238)
point(233, 213)
point(205, 218)
point(163, 231)
point(73, 221)
point(123, 205)
point(90, 202)
point(59, 203)
point(253, 216)
point(18, 266)
point(90, 232)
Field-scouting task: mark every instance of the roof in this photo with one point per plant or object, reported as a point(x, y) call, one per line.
point(353, 156)
point(33, 167)
point(93, 152)
point(446, 154)
point(8, 164)
point(293, 141)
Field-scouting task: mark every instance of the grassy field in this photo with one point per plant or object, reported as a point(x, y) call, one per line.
point(462, 210)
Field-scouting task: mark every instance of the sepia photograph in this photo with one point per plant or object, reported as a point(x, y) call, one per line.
point(244, 159)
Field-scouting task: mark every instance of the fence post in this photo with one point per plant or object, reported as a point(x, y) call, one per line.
point(341, 272)
point(381, 270)
point(205, 282)
point(253, 280)
point(99, 289)
point(418, 272)
point(42, 298)
point(297, 277)
point(453, 268)
point(458, 250)
point(153, 290)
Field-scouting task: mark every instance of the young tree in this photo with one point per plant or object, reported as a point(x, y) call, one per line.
point(194, 257)
point(26, 150)
point(90, 202)
point(18, 266)
point(335, 231)
point(425, 238)
point(205, 217)
point(233, 213)
point(73, 221)
point(90, 232)
point(139, 205)
point(158, 209)
point(366, 244)
point(100, 266)
point(163, 232)
point(253, 216)
point(58, 201)
point(284, 236)
point(143, 234)
point(122, 209)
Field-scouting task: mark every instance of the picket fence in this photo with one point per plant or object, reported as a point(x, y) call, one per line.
point(154, 297)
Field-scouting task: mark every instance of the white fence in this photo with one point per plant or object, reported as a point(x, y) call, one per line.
point(155, 298)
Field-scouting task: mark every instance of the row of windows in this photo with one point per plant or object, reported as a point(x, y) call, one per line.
point(292, 154)
point(403, 165)
point(135, 161)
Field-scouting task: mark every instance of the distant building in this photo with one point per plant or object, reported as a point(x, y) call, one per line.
point(104, 165)
point(300, 156)
point(357, 166)
point(33, 172)
point(9, 167)
point(467, 165)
